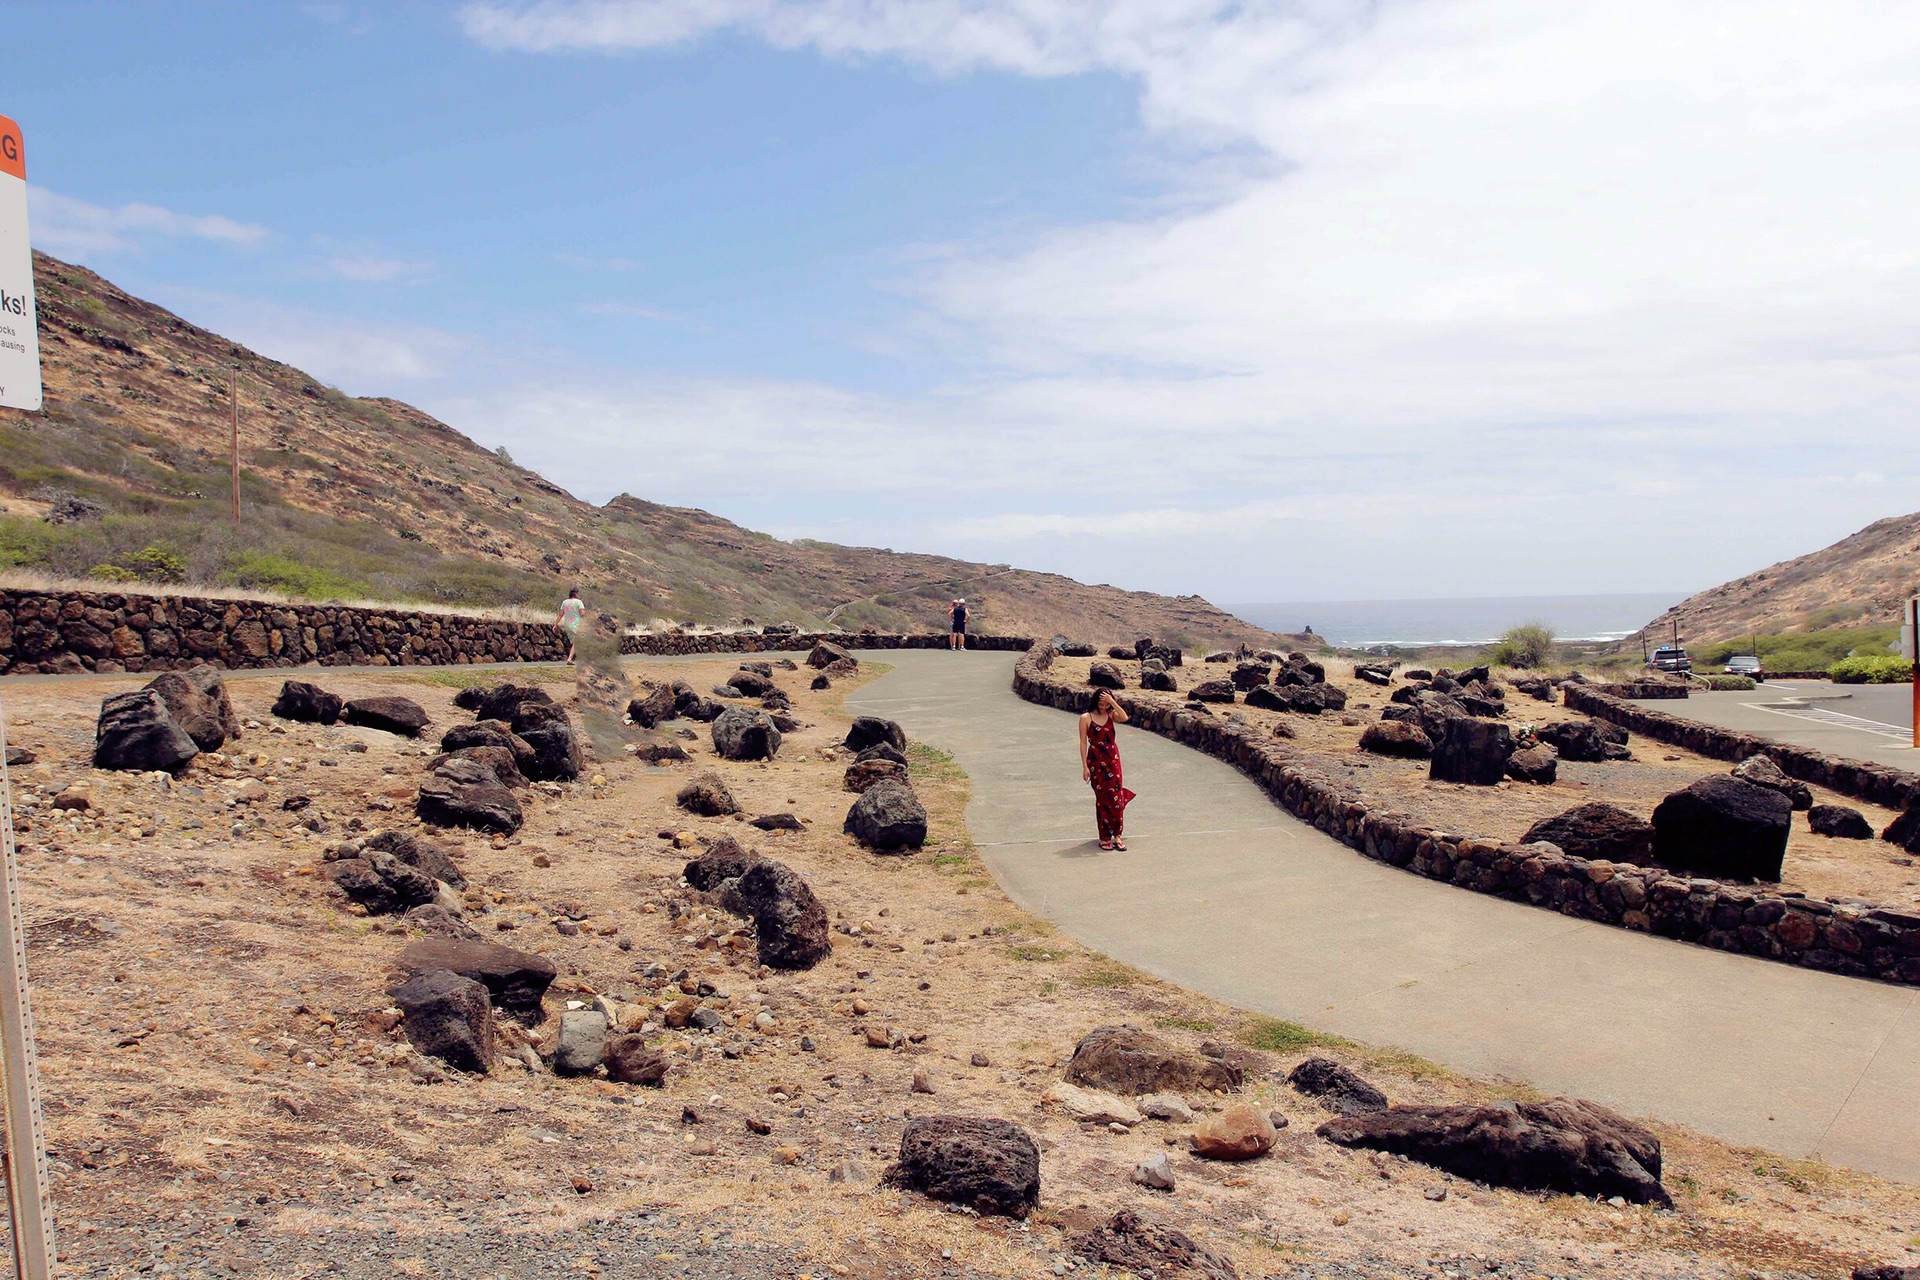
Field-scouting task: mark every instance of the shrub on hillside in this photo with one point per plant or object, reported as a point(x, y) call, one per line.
point(1527, 645)
point(1729, 684)
point(1871, 669)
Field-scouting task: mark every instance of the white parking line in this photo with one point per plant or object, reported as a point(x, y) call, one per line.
point(1823, 716)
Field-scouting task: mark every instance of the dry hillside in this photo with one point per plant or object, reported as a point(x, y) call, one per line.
point(1861, 580)
point(372, 497)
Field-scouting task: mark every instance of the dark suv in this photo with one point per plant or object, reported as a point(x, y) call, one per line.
point(1671, 659)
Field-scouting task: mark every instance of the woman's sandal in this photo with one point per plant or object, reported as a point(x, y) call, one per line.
point(1119, 846)
point(1107, 845)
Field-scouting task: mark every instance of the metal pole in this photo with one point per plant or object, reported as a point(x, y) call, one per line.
point(27, 1201)
point(234, 387)
point(1913, 623)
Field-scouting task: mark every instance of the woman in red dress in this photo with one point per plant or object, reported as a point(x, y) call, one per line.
point(1100, 765)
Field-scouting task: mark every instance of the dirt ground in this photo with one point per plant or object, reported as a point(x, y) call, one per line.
point(1819, 866)
point(226, 1094)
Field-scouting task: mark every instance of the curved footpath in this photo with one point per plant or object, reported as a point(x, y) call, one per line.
point(1224, 892)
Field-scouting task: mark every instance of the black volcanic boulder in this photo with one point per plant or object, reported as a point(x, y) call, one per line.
point(388, 714)
point(1140, 1246)
point(308, 703)
point(789, 921)
point(1598, 832)
point(1249, 675)
point(1562, 1144)
point(1212, 691)
point(1104, 675)
point(500, 701)
point(1761, 771)
point(988, 1165)
point(1126, 1060)
point(868, 730)
point(546, 729)
point(515, 980)
point(1159, 681)
point(1723, 828)
point(488, 733)
point(382, 883)
point(1432, 711)
point(1267, 698)
point(135, 732)
point(866, 771)
point(198, 703)
point(1905, 829)
point(1580, 740)
point(741, 733)
point(1538, 764)
point(706, 795)
point(1121, 653)
point(1472, 751)
point(1327, 697)
point(448, 1017)
point(422, 855)
point(1338, 1088)
point(1396, 738)
point(651, 710)
point(888, 818)
point(1373, 673)
point(464, 792)
point(825, 654)
point(723, 860)
point(754, 684)
point(1839, 821)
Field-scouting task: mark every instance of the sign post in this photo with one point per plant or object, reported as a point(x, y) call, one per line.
point(1909, 640)
point(19, 1076)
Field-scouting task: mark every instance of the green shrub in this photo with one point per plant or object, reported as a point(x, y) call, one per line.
point(264, 571)
point(1729, 684)
point(1874, 669)
point(1527, 645)
point(112, 573)
point(158, 562)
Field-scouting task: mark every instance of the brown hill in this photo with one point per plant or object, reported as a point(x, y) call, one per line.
point(1861, 580)
point(346, 497)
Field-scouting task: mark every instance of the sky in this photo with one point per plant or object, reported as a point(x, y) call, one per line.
point(1304, 301)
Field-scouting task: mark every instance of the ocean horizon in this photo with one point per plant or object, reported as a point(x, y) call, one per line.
point(1358, 624)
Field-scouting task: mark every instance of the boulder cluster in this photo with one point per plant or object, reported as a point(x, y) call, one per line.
point(888, 817)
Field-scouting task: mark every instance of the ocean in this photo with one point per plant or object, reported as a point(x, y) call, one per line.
point(1355, 624)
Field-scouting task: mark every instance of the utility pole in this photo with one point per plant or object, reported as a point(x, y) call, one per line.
point(234, 387)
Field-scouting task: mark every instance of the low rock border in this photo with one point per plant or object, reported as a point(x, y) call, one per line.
point(1879, 784)
point(1842, 936)
point(673, 644)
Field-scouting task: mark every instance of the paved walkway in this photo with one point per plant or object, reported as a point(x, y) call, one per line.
point(1859, 721)
point(1223, 892)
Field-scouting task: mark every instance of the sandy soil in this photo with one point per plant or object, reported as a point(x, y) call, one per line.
point(226, 1093)
point(1820, 866)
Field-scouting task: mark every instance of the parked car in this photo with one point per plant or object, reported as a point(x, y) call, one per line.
point(1670, 658)
point(1745, 664)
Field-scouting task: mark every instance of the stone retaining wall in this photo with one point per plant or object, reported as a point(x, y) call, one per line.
point(1846, 937)
point(72, 631)
point(677, 644)
point(1863, 780)
point(1650, 689)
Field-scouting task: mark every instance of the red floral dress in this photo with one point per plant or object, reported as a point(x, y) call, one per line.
point(1110, 796)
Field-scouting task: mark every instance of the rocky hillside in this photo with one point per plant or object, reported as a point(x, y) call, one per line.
point(373, 498)
point(1861, 580)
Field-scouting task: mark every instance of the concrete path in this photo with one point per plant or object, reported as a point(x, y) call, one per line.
point(1859, 721)
point(1223, 892)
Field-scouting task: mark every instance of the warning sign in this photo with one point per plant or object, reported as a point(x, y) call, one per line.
point(19, 338)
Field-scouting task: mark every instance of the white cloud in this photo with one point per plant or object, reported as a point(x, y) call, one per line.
point(1628, 276)
point(69, 227)
point(362, 358)
point(368, 269)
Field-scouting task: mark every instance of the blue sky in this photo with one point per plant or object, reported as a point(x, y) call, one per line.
point(1315, 301)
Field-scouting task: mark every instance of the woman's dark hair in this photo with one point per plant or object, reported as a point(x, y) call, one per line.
point(1099, 696)
point(572, 592)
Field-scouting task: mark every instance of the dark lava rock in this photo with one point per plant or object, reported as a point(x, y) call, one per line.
point(516, 980)
point(653, 709)
point(883, 751)
point(741, 733)
point(1326, 697)
point(1159, 681)
point(777, 822)
point(1418, 673)
point(868, 730)
point(1840, 821)
point(706, 795)
point(990, 1166)
point(308, 703)
point(1124, 1059)
point(1723, 828)
point(888, 817)
point(630, 1061)
point(1472, 751)
point(208, 716)
point(499, 702)
point(403, 716)
point(1905, 829)
point(751, 683)
point(821, 682)
point(1268, 698)
point(1397, 738)
point(826, 654)
point(1598, 832)
point(1121, 653)
point(1761, 771)
point(1105, 675)
point(1537, 764)
point(135, 732)
point(789, 921)
point(546, 729)
point(1337, 1087)
point(488, 733)
point(506, 770)
point(1434, 711)
point(1212, 691)
point(1373, 674)
point(382, 883)
point(862, 774)
point(1142, 1247)
point(422, 855)
point(1580, 740)
point(462, 792)
point(1891, 1271)
point(661, 753)
point(1250, 675)
point(448, 1017)
point(1563, 1144)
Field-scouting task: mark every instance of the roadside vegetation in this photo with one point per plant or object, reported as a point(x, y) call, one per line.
point(1877, 669)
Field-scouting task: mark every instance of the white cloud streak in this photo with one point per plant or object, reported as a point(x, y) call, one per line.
point(70, 227)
